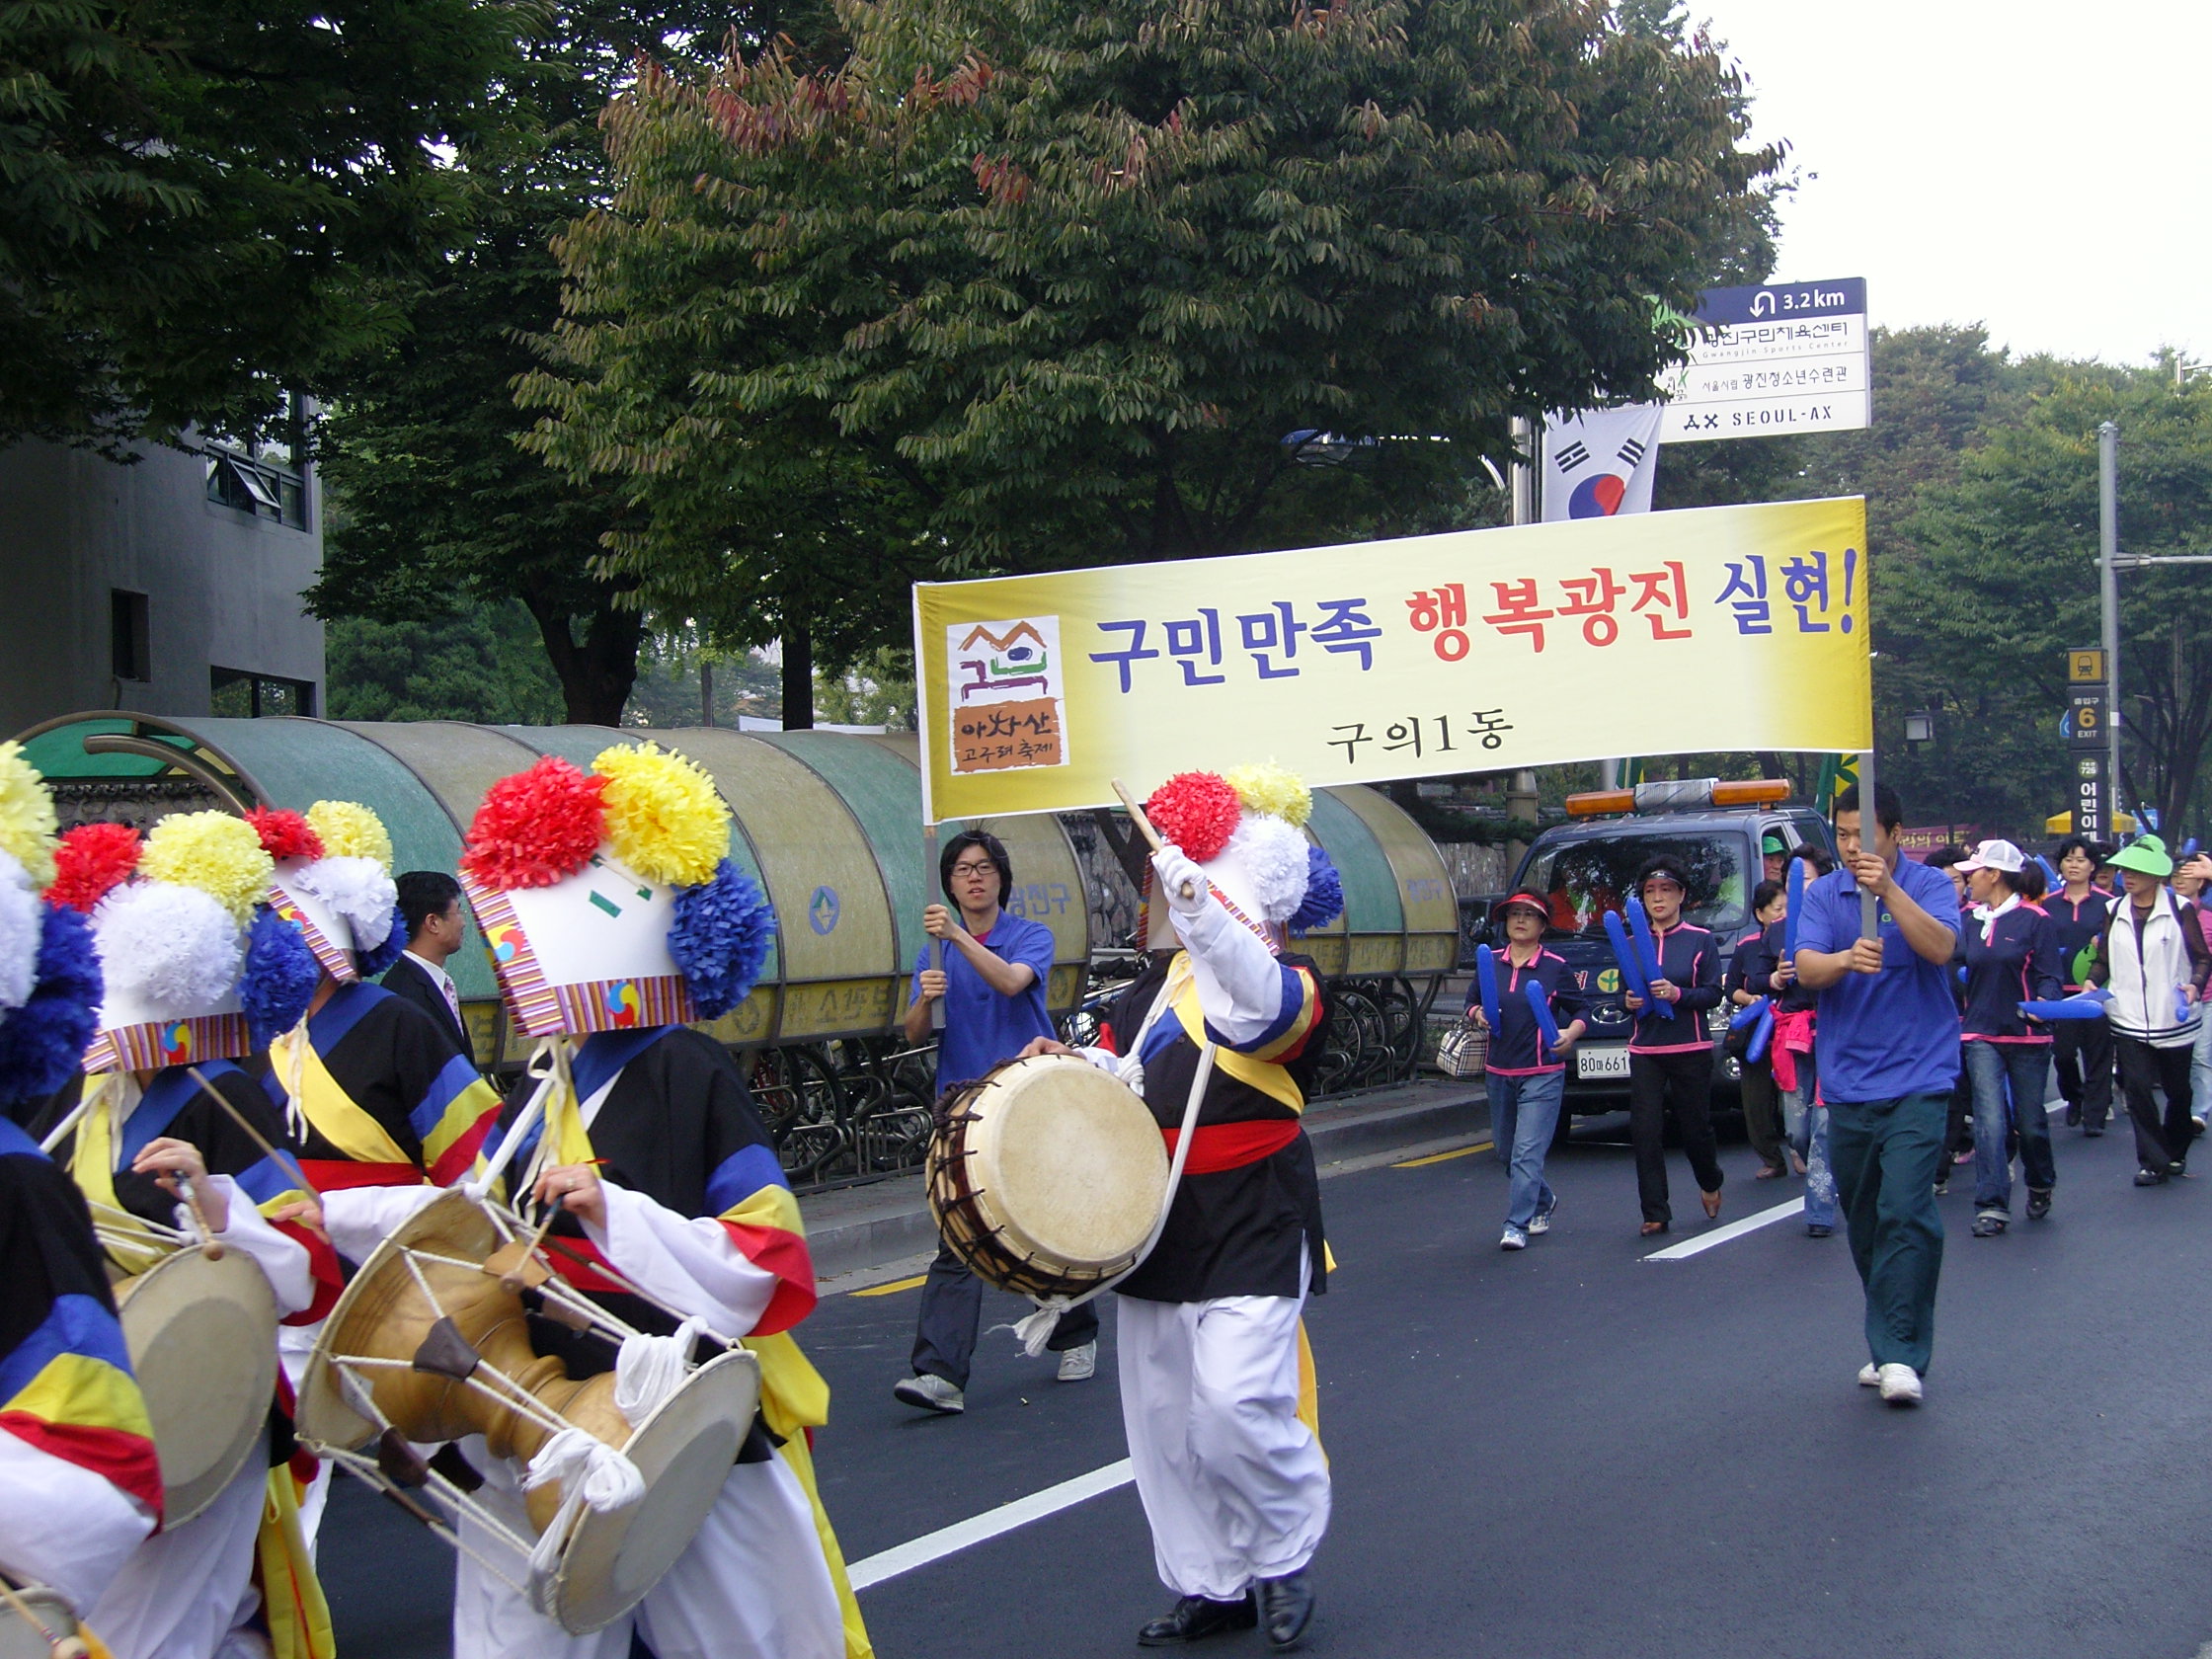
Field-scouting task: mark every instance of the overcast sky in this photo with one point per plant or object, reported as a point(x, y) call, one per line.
point(2045, 169)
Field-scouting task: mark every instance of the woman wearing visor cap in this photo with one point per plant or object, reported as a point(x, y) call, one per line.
point(1527, 1070)
point(2010, 952)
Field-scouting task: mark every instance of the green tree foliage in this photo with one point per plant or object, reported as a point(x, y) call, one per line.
point(440, 504)
point(478, 663)
point(2003, 581)
point(1042, 283)
point(207, 201)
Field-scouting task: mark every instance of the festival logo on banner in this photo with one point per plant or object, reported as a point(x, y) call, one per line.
point(176, 1043)
point(1008, 695)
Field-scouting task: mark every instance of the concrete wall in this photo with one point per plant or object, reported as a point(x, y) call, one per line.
point(222, 586)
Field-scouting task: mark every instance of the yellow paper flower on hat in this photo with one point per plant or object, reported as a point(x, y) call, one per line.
point(220, 855)
point(1274, 790)
point(350, 831)
point(663, 818)
point(27, 820)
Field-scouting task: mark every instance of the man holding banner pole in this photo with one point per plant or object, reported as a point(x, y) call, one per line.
point(1875, 946)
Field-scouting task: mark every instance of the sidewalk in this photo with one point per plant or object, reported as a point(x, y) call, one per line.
point(853, 1230)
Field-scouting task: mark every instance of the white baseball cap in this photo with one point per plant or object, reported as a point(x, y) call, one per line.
point(1996, 855)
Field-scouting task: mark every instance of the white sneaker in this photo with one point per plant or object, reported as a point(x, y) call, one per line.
point(1541, 1223)
point(1513, 1238)
point(1080, 1365)
point(929, 1393)
point(1868, 1376)
point(1899, 1385)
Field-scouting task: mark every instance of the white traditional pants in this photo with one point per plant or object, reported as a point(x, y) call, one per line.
point(1233, 1484)
point(754, 1585)
point(181, 1591)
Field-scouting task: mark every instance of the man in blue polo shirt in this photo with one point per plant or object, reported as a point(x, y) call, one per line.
point(992, 989)
point(1888, 1045)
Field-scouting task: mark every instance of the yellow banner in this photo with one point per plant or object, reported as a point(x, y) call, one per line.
point(1665, 633)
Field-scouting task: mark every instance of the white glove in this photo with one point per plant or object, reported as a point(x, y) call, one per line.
point(1176, 872)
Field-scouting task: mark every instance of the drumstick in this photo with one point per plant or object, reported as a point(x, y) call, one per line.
point(209, 1246)
point(282, 1159)
point(1144, 827)
point(64, 1647)
point(90, 1097)
point(512, 1282)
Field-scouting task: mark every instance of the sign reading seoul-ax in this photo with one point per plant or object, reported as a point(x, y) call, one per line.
point(1769, 362)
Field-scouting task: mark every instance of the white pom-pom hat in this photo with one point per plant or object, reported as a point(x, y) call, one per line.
point(21, 920)
point(171, 957)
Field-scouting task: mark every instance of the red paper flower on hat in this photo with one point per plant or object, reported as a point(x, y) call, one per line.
point(1197, 811)
point(284, 834)
point(90, 860)
point(535, 828)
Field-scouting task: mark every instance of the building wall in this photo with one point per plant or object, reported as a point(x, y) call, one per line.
point(222, 586)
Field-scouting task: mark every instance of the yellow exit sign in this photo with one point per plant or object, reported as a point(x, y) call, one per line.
point(2085, 667)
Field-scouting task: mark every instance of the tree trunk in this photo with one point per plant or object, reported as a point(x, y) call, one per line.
point(597, 672)
point(798, 677)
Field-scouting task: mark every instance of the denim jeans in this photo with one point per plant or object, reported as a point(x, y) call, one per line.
point(1523, 1111)
point(2021, 1071)
point(1808, 1132)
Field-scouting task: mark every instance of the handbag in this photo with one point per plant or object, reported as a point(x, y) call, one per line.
point(1463, 1051)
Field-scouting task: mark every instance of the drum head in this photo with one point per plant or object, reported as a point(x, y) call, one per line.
point(452, 1224)
point(19, 1640)
point(1068, 1163)
point(684, 1450)
point(203, 1342)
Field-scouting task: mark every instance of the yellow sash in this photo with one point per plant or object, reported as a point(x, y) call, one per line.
point(92, 1165)
point(1264, 1075)
point(327, 1109)
point(291, 1595)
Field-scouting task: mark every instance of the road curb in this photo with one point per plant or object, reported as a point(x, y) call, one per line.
point(858, 1228)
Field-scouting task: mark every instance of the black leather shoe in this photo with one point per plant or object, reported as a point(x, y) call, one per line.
point(1194, 1618)
point(1286, 1609)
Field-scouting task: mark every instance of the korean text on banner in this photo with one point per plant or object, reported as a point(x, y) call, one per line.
point(1719, 628)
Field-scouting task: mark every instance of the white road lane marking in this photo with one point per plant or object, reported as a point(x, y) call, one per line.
point(1734, 1230)
point(966, 1534)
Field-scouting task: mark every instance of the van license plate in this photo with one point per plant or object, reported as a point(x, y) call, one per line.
point(1600, 1063)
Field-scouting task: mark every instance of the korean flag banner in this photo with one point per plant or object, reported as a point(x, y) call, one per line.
point(1599, 462)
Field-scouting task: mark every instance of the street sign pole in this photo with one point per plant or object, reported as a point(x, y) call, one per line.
point(2108, 601)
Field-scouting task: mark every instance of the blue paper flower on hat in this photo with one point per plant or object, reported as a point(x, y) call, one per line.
point(44, 1042)
point(279, 978)
point(720, 938)
point(1324, 892)
point(371, 962)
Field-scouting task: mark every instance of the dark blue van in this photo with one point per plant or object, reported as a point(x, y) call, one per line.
point(1588, 866)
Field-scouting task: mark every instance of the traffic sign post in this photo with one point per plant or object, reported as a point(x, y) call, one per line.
point(1784, 358)
point(2087, 735)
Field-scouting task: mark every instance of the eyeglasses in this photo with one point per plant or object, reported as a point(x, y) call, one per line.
point(986, 869)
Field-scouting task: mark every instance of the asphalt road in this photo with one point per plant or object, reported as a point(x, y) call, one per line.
point(1574, 1451)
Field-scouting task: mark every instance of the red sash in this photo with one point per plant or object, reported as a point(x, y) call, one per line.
point(1218, 1147)
point(337, 1174)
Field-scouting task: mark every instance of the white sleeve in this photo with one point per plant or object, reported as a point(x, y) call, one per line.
point(693, 1265)
point(283, 1261)
point(1240, 981)
point(63, 1525)
point(359, 1219)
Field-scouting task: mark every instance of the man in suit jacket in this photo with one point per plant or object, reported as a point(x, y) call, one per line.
point(429, 908)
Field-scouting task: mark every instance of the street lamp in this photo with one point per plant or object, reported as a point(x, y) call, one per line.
point(1920, 727)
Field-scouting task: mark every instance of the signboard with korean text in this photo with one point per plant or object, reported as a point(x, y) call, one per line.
point(1713, 628)
point(1767, 362)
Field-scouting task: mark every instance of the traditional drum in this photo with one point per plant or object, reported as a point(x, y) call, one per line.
point(201, 1333)
point(36, 1624)
point(430, 1343)
point(1047, 1176)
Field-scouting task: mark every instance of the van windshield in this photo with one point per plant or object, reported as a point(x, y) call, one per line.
point(1581, 880)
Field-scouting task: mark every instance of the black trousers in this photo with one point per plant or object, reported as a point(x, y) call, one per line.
point(952, 1310)
point(2142, 1066)
point(2081, 1053)
point(1681, 1083)
point(1762, 1114)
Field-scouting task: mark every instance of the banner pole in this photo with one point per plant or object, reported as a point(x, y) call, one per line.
point(1869, 826)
